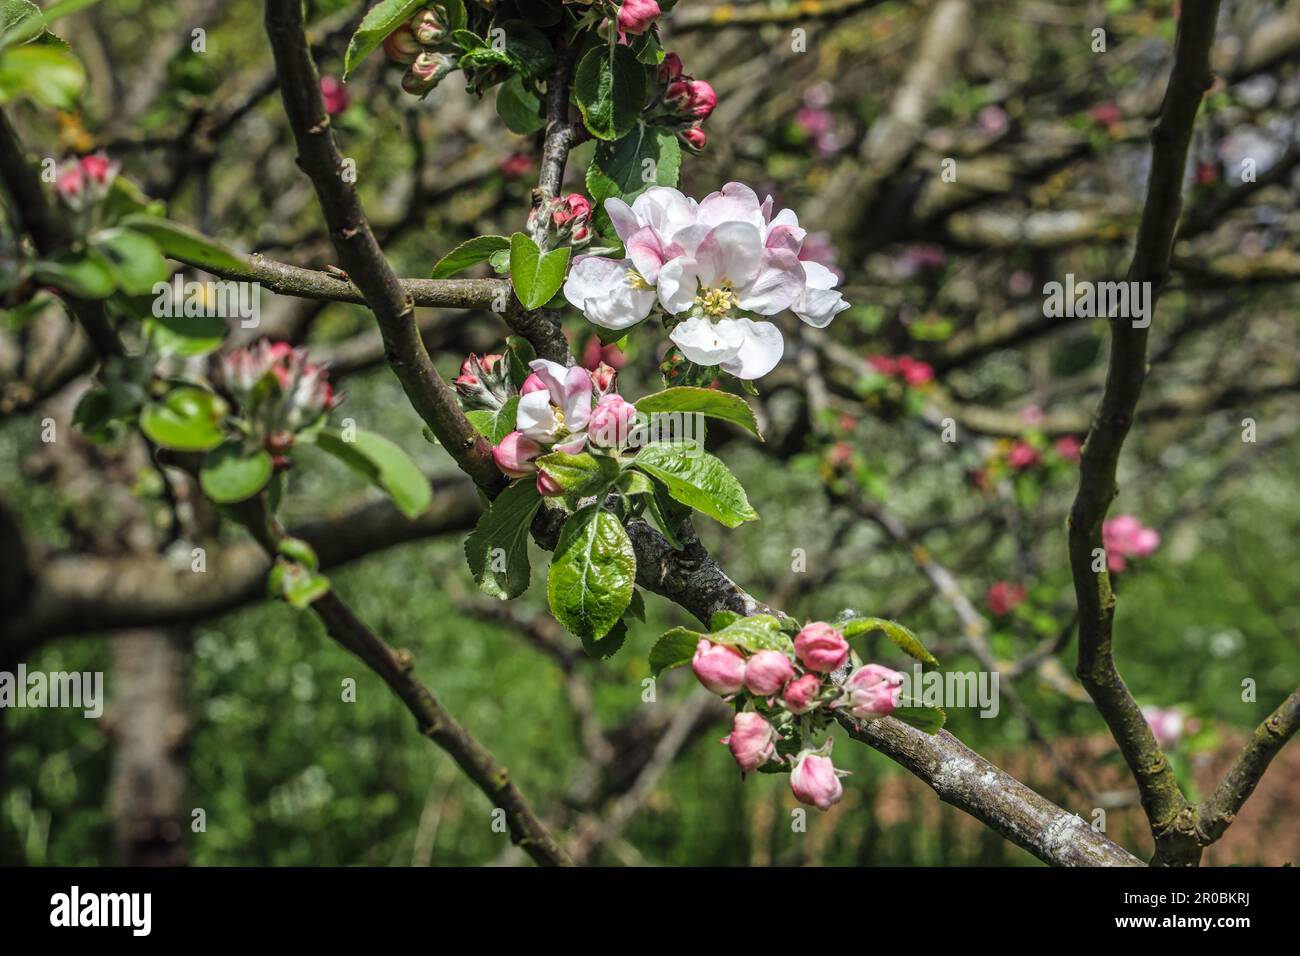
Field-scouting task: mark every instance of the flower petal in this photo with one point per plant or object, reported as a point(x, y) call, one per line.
point(777, 284)
point(677, 285)
point(731, 252)
point(576, 400)
point(759, 352)
point(708, 343)
point(535, 417)
point(734, 202)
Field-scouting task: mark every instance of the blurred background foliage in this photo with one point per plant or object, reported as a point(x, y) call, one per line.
point(288, 774)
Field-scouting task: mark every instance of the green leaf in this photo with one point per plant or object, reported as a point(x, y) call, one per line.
point(468, 253)
point(233, 472)
point(536, 277)
point(187, 419)
point(187, 336)
point(133, 260)
point(529, 46)
point(634, 483)
point(609, 86)
point(45, 73)
point(385, 465)
point(647, 156)
point(519, 108)
point(900, 635)
point(495, 426)
point(582, 474)
point(592, 573)
point(382, 19)
point(929, 719)
point(456, 16)
point(697, 479)
point(85, 276)
point(709, 402)
point(299, 551)
point(185, 245)
point(497, 549)
point(23, 20)
point(760, 632)
point(297, 585)
point(607, 646)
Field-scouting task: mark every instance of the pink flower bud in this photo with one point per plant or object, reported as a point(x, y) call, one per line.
point(547, 486)
point(574, 207)
point(801, 694)
point(515, 454)
point(611, 421)
point(1003, 597)
point(701, 99)
point(766, 672)
point(98, 168)
point(694, 138)
point(752, 741)
point(602, 378)
point(872, 691)
point(636, 16)
point(401, 45)
point(719, 667)
point(335, 95)
point(426, 72)
point(70, 183)
point(671, 68)
point(821, 647)
point(816, 782)
point(426, 28)
point(532, 384)
point(1068, 447)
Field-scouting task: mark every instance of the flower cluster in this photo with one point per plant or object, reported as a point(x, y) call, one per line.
point(84, 182)
point(414, 43)
point(278, 391)
point(564, 219)
point(483, 382)
point(637, 16)
point(1124, 537)
point(708, 266)
point(686, 100)
point(556, 413)
point(792, 698)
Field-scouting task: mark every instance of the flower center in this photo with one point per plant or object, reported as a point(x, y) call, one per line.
point(717, 302)
point(637, 281)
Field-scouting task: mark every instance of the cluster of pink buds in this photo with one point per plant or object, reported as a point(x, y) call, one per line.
point(484, 382)
point(278, 391)
point(566, 410)
point(564, 219)
point(904, 368)
point(791, 697)
point(689, 101)
point(84, 182)
point(414, 43)
point(1124, 537)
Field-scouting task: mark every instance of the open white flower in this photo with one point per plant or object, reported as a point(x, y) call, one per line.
point(556, 415)
point(743, 347)
point(609, 292)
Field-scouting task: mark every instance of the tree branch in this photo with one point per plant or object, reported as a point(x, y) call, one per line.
point(360, 254)
point(1171, 818)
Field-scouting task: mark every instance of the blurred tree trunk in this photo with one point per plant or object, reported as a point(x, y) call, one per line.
point(150, 724)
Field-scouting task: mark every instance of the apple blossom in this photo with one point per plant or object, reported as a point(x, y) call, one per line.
point(690, 97)
point(515, 453)
point(871, 691)
point(694, 138)
point(801, 694)
point(558, 414)
point(671, 68)
point(426, 27)
point(752, 740)
point(1125, 537)
point(295, 394)
point(602, 378)
point(1167, 725)
point(547, 486)
point(815, 781)
point(611, 422)
point(767, 672)
point(1023, 455)
point(709, 265)
point(821, 647)
point(334, 94)
point(719, 667)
